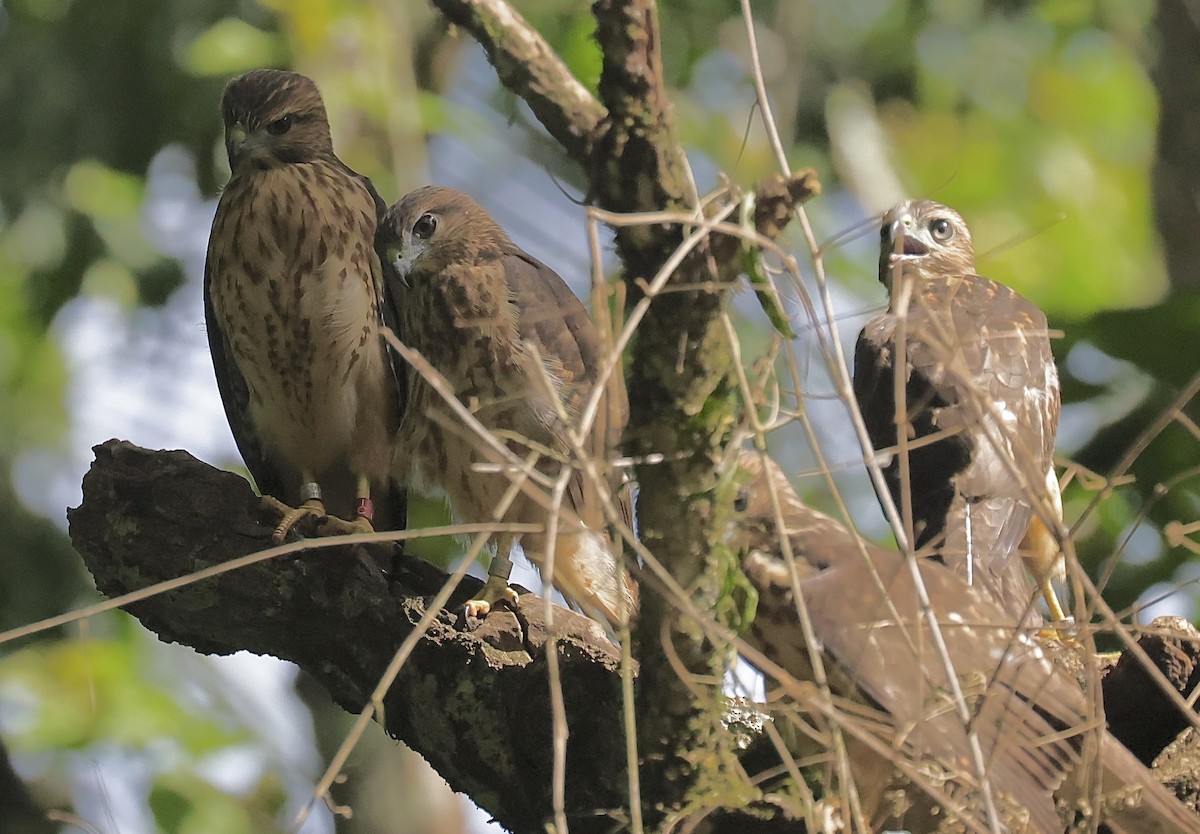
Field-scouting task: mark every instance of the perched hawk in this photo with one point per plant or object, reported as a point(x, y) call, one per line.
point(980, 405)
point(510, 338)
point(293, 300)
point(1030, 717)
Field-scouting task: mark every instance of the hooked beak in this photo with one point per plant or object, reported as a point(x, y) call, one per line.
point(400, 264)
point(911, 245)
point(911, 248)
point(235, 143)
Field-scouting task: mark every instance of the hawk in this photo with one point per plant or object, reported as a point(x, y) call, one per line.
point(294, 303)
point(1030, 717)
point(519, 351)
point(980, 405)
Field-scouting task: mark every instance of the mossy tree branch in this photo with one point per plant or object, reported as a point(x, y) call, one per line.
point(473, 703)
point(683, 403)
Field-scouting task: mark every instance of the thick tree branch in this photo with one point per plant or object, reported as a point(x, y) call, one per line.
point(1139, 713)
point(683, 402)
point(474, 704)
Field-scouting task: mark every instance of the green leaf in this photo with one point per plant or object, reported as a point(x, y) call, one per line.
point(231, 45)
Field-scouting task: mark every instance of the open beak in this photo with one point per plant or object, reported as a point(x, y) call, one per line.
point(910, 245)
point(913, 246)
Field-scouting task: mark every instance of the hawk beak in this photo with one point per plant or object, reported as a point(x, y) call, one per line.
point(235, 143)
point(895, 228)
point(237, 135)
point(392, 256)
point(910, 245)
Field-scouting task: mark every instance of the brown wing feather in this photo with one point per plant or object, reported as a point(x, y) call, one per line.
point(235, 397)
point(975, 350)
point(1028, 714)
point(1019, 711)
point(554, 319)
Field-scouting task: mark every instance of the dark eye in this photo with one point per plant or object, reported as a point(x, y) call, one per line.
point(941, 229)
point(425, 226)
point(742, 502)
point(280, 126)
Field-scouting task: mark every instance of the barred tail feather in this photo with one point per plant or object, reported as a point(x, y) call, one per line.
point(589, 575)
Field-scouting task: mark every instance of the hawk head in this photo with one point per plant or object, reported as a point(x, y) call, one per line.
point(924, 237)
point(434, 227)
point(274, 117)
point(817, 541)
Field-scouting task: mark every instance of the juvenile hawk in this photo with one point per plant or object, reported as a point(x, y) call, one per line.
point(1029, 715)
point(511, 339)
point(980, 406)
point(293, 301)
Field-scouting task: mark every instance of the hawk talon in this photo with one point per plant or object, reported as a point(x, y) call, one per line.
point(1061, 631)
point(332, 525)
point(326, 525)
point(495, 590)
point(292, 516)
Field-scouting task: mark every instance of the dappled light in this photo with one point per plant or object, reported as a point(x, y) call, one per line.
point(780, 574)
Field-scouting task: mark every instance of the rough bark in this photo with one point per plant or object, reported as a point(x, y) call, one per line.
point(473, 699)
point(1139, 713)
point(683, 403)
point(474, 704)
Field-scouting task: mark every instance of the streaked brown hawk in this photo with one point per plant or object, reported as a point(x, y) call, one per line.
point(979, 409)
point(519, 351)
point(294, 304)
point(1033, 723)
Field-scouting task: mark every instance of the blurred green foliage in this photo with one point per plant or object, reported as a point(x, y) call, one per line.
point(1035, 119)
point(79, 693)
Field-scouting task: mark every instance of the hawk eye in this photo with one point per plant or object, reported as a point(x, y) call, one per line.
point(941, 229)
point(742, 502)
point(425, 226)
point(280, 126)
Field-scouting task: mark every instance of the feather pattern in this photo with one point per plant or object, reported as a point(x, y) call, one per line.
point(294, 302)
point(518, 349)
point(981, 399)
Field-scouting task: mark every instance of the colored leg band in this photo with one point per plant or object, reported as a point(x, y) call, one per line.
point(501, 567)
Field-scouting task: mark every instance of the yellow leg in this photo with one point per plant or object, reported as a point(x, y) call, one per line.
point(1042, 557)
point(310, 491)
point(364, 512)
point(1057, 614)
point(327, 525)
point(496, 588)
